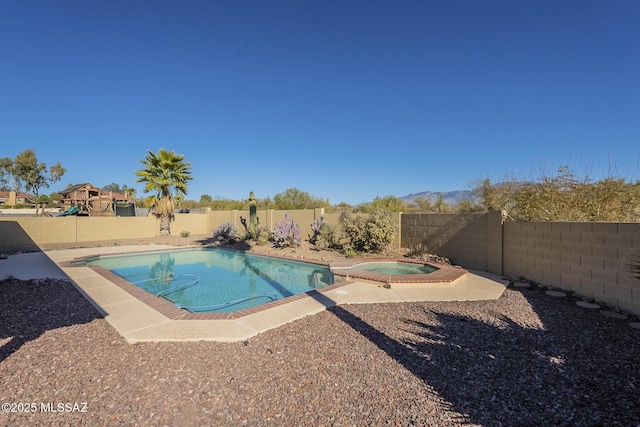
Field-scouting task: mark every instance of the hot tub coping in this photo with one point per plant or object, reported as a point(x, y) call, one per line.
point(348, 270)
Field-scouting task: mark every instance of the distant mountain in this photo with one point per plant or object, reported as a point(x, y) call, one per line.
point(449, 197)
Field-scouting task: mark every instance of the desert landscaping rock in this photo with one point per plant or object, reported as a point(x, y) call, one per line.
point(522, 285)
point(514, 361)
point(589, 305)
point(613, 315)
point(556, 294)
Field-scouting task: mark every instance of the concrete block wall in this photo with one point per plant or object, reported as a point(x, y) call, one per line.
point(590, 259)
point(472, 240)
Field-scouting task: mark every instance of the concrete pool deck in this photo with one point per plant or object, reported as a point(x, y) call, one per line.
point(138, 321)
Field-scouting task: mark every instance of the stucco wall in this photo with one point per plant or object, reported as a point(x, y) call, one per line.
point(42, 230)
point(16, 230)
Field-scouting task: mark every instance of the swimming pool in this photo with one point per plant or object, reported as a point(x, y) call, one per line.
point(213, 280)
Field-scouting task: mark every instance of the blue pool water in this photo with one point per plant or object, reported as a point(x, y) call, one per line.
point(215, 280)
point(396, 268)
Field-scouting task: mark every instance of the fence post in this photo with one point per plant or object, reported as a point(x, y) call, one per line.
point(400, 229)
point(495, 242)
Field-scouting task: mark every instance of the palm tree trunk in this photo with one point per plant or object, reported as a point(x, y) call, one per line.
point(165, 224)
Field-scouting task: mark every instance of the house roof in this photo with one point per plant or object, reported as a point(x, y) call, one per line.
point(19, 195)
point(75, 187)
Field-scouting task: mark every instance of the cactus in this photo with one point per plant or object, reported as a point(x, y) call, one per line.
point(253, 222)
point(323, 236)
point(252, 230)
point(286, 233)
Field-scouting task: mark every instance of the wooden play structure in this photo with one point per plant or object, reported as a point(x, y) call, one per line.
point(89, 200)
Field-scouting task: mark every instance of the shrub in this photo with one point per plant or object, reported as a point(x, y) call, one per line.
point(225, 231)
point(417, 251)
point(370, 235)
point(354, 230)
point(286, 233)
point(255, 232)
point(185, 233)
point(565, 197)
point(348, 251)
point(323, 235)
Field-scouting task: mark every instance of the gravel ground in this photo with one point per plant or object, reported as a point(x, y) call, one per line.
point(526, 359)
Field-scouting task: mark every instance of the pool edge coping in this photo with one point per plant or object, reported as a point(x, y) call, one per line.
point(170, 311)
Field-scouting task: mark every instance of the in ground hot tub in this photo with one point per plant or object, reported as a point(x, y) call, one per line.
point(387, 271)
point(396, 267)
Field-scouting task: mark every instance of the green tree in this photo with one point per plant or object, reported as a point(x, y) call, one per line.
point(164, 171)
point(55, 197)
point(467, 206)
point(342, 207)
point(499, 197)
point(424, 204)
point(114, 188)
point(227, 205)
point(130, 192)
point(293, 198)
point(6, 178)
point(387, 203)
point(440, 205)
point(206, 199)
point(26, 171)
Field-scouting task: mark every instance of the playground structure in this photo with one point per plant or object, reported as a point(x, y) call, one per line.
point(88, 200)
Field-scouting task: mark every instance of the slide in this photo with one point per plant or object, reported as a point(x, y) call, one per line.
point(73, 210)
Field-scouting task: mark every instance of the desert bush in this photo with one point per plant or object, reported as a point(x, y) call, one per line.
point(286, 233)
point(225, 231)
point(371, 235)
point(417, 251)
point(256, 233)
point(564, 197)
point(348, 251)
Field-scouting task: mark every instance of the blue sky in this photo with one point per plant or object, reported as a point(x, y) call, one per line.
point(346, 100)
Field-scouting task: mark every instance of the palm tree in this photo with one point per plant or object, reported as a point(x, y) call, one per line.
point(164, 171)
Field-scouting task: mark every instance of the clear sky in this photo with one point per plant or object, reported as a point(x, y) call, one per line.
point(346, 100)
